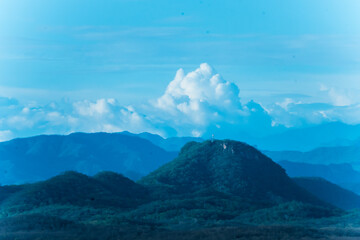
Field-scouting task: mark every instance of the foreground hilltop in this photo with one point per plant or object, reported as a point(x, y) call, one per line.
point(228, 167)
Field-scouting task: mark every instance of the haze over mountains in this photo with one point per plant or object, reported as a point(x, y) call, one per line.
point(173, 144)
point(341, 174)
point(135, 155)
point(332, 134)
point(339, 165)
point(323, 155)
point(308, 139)
point(303, 139)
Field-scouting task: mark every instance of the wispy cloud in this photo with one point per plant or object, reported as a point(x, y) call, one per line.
point(130, 32)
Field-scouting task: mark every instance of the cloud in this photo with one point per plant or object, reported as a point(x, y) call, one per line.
point(291, 113)
point(102, 115)
point(201, 102)
point(197, 103)
point(285, 104)
point(4, 101)
point(348, 114)
point(6, 135)
point(94, 109)
point(339, 96)
point(186, 92)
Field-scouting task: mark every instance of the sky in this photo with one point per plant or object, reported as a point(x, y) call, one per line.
point(142, 65)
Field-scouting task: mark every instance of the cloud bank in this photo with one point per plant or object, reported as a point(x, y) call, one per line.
point(198, 103)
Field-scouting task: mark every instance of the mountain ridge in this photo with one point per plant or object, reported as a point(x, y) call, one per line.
point(41, 157)
point(343, 175)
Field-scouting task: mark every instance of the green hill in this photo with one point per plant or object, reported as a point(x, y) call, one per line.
point(76, 189)
point(227, 167)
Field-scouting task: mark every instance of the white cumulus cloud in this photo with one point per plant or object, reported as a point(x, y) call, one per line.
point(187, 92)
point(202, 101)
point(197, 103)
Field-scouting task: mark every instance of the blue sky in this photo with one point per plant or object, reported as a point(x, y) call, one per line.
point(300, 55)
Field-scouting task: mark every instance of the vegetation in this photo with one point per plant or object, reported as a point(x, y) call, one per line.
point(227, 167)
point(213, 190)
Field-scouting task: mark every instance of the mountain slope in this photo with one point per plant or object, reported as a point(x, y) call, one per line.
point(76, 189)
point(39, 158)
point(227, 167)
point(341, 174)
point(330, 192)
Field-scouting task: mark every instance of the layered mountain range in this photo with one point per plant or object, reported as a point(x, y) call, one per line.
point(38, 158)
point(210, 185)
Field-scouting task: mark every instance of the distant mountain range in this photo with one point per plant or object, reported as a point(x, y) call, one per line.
point(338, 135)
point(135, 155)
point(296, 139)
point(324, 155)
point(341, 174)
point(339, 164)
point(38, 158)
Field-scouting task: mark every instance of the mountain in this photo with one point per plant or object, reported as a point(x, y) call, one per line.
point(214, 188)
point(76, 189)
point(227, 167)
point(330, 192)
point(172, 144)
point(41, 157)
point(341, 174)
point(324, 155)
